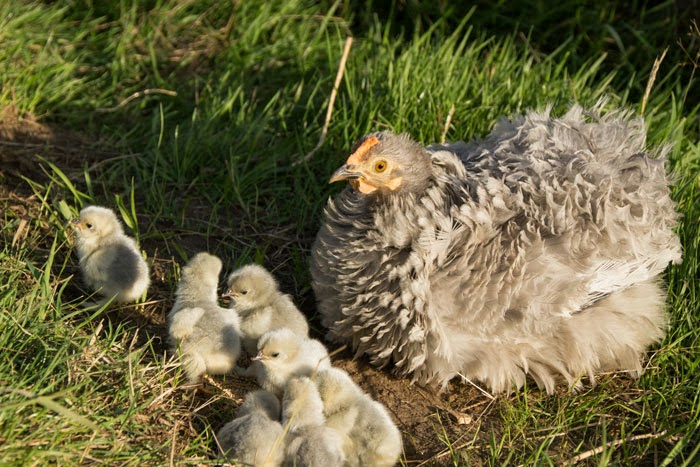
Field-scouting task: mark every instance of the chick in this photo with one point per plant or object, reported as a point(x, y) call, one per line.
point(207, 334)
point(369, 435)
point(110, 262)
point(339, 394)
point(255, 436)
point(261, 305)
point(309, 441)
point(283, 354)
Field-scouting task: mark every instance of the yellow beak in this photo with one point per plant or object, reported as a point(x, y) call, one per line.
point(344, 173)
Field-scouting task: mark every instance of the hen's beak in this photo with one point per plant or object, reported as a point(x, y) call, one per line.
point(345, 172)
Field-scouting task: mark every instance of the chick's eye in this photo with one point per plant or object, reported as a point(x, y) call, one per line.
point(243, 292)
point(88, 225)
point(380, 166)
point(275, 354)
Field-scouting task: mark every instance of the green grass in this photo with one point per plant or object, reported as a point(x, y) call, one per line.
point(206, 160)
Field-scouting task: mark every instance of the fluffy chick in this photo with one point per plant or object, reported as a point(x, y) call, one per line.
point(261, 305)
point(207, 334)
point(255, 436)
point(282, 354)
point(309, 441)
point(110, 261)
point(369, 435)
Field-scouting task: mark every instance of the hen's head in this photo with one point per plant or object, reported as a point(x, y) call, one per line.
point(384, 162)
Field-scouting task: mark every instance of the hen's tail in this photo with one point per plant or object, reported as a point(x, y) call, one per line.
point(613, 333)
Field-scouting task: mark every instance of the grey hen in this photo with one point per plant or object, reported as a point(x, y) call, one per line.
point(535, 251)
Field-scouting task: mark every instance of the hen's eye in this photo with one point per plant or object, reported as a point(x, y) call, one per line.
point(380, 166)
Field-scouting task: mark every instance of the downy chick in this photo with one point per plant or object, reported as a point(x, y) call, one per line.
point(255, 436)
point(309, 442)
point(261, 305)
point(283, 354)
point(369, 435)
point(110, 261)
point(207, 334)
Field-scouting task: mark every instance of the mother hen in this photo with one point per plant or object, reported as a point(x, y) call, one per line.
point(535, 251)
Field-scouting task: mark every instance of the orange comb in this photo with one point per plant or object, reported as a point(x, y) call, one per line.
point(361, 152)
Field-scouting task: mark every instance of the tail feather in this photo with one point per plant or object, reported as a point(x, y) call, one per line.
point(609, 335)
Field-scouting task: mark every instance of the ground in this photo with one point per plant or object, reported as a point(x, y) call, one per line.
point(434, 425)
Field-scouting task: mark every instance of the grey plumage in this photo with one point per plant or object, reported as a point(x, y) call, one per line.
point(206, 334)
point(369, 435)
point(255, 437)
point(535, 251)
point(282, 354)
point(110, 262)
point(309, 442)
point(261, 305)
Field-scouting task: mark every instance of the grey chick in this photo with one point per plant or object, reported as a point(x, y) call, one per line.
point(309, 442)
point(536, 251)
point(255, 437)
point(283, 354)
point(369, 435)
point(206, 334)
point(261, 305)
point(110, 262)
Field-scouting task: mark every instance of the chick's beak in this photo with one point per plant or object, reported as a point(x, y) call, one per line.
point(259, 357)
point(75, 223)
point(345, 172)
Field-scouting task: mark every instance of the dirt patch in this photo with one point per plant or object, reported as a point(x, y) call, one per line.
point(23, 139)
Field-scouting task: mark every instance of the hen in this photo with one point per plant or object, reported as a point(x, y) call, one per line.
point(535, 251)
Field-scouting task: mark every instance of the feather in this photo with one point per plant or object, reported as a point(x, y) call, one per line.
point(535, 251)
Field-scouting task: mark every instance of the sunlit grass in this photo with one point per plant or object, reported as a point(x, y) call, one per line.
point(207, 159)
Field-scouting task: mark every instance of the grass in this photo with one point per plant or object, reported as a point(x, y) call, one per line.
point(188, 117)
